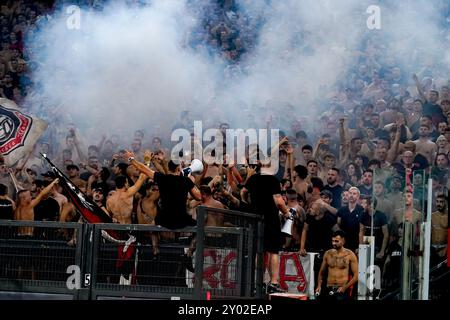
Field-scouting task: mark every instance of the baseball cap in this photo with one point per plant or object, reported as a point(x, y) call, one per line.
point(97, 189)
point(72, 166)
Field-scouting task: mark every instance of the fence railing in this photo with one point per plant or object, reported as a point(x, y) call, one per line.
point(95, 261)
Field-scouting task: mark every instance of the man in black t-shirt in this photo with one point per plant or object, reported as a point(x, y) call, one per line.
point(318, 229)
point(392, 267)
point(380, 228)
point(173, 193)
point(333, 186)
point(6, 204)
point(348, 218)
point(265, 199)
point(173, 190)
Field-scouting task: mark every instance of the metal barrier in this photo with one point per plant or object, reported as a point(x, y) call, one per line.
point(227, 261)
point(34, 256)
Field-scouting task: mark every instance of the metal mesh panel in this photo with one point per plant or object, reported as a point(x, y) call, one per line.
point(165, 269)
point(35, 254)
point(246, 247)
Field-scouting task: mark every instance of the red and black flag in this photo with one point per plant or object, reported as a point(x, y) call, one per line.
point(92, 213)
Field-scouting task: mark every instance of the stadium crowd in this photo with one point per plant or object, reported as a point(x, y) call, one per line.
point(365, 160)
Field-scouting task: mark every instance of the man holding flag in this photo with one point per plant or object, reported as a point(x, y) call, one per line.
point(92, 213)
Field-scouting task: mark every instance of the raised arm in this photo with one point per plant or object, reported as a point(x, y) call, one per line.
point(142, 168)
point(101, 143)
point(131, 191)
point(344, 146)
point(43, 193)
point(81, 154)
point(393, 151)
point(290, 161)
point(419, 88)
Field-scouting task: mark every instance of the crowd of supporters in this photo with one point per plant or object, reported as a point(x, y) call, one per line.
point(362, 162)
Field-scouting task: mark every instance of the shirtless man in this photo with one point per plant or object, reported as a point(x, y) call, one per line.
point(408, 213)
point(69, 214)
point(439, 227)
point(338, 262)
point(61, 199)
point(212, 219)
point(424, 145)
point(73, 172)
point(299, 219)
point(120, 204)
point(300, 185)
point(25, 207)
point(148, 209)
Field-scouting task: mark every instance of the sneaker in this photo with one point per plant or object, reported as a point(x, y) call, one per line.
point(274, 288)
point(187, 263)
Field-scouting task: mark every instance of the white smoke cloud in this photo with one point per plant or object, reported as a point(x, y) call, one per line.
point(128, 68)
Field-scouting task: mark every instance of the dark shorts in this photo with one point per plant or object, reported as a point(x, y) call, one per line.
point(177, 222)
point(330, 293)
point(272, 242)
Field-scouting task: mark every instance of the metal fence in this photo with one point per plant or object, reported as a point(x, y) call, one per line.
point(35, 257)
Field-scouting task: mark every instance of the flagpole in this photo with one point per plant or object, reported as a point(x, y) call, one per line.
point(14, 181)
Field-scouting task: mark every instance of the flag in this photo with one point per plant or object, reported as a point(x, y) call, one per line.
point(18, 132)
point(92, 213)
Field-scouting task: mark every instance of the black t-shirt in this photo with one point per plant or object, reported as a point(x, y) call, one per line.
point(6, 209)
point(350, 225)
point(379, 220)
point(47, 210)
point(337, 194)
point(320, 232)
point(434, 111)
point(262, 187)
point(173, 192)
point(365, 191)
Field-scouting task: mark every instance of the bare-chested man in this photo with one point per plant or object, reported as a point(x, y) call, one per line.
point(148, 209)
point(212, 219)
point(73, 172)
point(25, 207)
point(424, 145)
point(300, 185)
point(439, 227)
point(408, 213)
point(120, 204)
point(338, 262)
